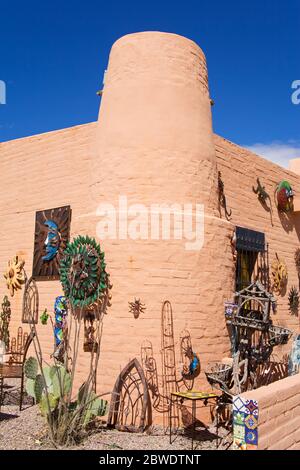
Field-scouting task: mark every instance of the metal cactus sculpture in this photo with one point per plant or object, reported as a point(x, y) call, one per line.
point(4, 321)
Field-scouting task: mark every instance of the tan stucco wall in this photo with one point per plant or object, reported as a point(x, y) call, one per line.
point(154, 143)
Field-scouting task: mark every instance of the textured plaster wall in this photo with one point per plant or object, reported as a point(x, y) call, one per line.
point(153, 143)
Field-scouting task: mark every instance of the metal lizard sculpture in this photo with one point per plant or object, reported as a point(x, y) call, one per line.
point(262, 195)
point(222, 198)
point(261, 192)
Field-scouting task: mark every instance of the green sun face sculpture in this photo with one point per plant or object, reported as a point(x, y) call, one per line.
point(82, 272)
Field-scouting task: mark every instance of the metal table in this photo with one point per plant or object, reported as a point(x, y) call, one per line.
point(193, 396)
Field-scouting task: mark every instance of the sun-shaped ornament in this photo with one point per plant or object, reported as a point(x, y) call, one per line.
point(83, 276)
point(15, 274)
point(279, 275)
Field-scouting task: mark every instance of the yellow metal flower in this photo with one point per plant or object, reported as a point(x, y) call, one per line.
point(279, 275)
point(15, 275)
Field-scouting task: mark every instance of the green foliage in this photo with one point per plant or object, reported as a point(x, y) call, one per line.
point(55, 380)
point(44, 317)
point(52, 402)
point(31, 368)
point(39, 386)
point(61, 381)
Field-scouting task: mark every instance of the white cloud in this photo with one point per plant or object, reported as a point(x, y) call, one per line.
point(278, 152)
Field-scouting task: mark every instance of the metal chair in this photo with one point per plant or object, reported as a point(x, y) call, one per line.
point(14, 369)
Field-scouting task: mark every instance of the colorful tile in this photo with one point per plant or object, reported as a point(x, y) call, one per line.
point(251, 407)
point(239, 404)
point(245, 424)
point(239, 432)
point(238, 417)
point(251, 447)
point(251, 436)
point(239, 444)
point(251, 422)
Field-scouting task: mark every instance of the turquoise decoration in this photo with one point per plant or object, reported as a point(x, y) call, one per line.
point(82, 273)
point(60, 310)
point(194, 368)
point(194, 365)
point(52, 241)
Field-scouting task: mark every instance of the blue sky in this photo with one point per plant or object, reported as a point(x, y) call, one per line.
point(53, 54)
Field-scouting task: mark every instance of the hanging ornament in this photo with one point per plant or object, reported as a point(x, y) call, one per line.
point(15, 275)
point(284, 197)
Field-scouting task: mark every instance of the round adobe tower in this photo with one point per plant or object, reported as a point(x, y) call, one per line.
point(155, 119)
point(154, 144)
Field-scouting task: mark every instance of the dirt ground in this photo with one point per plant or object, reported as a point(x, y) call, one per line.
point(26, 430)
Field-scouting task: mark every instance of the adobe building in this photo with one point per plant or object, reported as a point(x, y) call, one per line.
point(153, 143)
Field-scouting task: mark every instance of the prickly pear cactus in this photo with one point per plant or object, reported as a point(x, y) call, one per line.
point(61, 381)
point(44, 407)
point(96, 407)
point(31, 368)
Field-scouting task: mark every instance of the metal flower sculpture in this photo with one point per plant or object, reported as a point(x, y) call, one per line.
point(82, 273)
point(279, 275)
point(297, 261)
point(136, 307)
point(294, 301)
point(15, 275)
point(284, 196)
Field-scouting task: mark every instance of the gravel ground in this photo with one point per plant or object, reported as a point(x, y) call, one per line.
point(26, 430)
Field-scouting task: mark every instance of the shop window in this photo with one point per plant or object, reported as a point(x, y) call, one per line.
point(252, 261)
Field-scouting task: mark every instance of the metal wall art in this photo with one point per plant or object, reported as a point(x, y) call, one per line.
point(136, 307)
point(130, 407)
point(253, 336)
point(261, 193)
point(52, 231)
point(90, 341)
point(222, 197)
point(189, 359)
point(294, 300)
point(297, 262)
point(82, 273)
point(284, 196)
point(15, 274)
point(4, 321)
point(279, 275)
point(30, 309)
point(60, 326)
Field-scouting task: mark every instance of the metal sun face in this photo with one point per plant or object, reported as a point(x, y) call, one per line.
point(52, 241)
